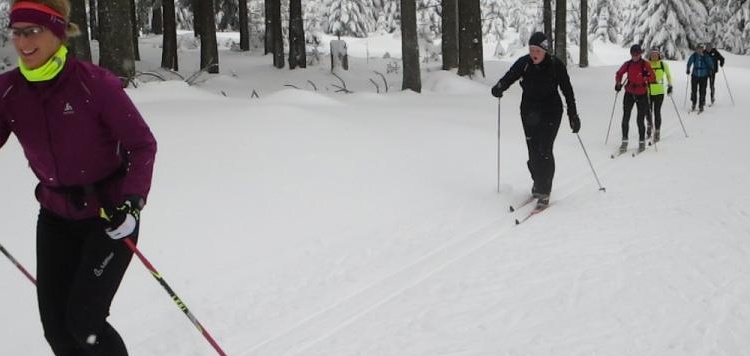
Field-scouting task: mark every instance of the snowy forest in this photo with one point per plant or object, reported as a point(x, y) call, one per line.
point(673, 26)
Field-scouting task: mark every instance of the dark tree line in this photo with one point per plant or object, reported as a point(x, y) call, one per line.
point(116, 24)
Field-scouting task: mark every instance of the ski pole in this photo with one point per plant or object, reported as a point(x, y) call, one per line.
point(498, 145)
point(678, 115)
point(17, 264)
point(612, 116)
point(727, 83)
point(174, 296)
point(590, 165)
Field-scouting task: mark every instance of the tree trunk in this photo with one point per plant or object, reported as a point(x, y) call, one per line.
point(157, 17)
point(450, 34)
point(268, 39)
point(244, 27)
point(197, 11)
point(209, 46)
point(93, 22)
point(410, 47)
point(297, 55)
point(584, 55)
point(80, 45)
point(134, 31)
point(116, 37)
point(169, 41)
point(547, 18)
point(278, 40)
point(560, 29)
point(470, 38)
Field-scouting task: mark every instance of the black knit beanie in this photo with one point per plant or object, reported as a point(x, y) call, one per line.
point(540, 40)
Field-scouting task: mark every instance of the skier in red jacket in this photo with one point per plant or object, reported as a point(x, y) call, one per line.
point(639, 75)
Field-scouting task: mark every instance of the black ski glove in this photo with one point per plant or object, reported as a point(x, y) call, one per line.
point(618, 87)
point(669, 89)
point(497, 91)
point(123, 220)
point(575, 122)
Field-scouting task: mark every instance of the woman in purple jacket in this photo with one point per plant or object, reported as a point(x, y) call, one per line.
point(93, 155)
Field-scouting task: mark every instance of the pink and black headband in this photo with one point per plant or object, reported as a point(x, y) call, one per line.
point(39, 14)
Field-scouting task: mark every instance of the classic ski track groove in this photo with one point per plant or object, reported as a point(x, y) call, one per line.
point(328, 321)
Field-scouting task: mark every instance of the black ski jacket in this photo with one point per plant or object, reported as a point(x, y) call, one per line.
point(540, 84)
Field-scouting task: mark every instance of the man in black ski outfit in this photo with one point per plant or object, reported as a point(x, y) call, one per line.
point(541, 109)
point(718, 61)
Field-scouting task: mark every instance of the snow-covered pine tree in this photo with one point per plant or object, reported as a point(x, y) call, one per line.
point(428, 20)
point(228, 15)
point(388, 17)
point(718, 19)
point(672, 26)
point(3, 22)
point(512, 14)
point(603, 22)
point(529, 20)
point(574, 22)
point(736, 34)
point(348, 17)
point(312, 13)
point(494, 19)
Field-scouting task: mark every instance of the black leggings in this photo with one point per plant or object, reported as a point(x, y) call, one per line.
point(541, 130)
point(698, 84)
point(656, 101)
point(79, 269)
point(641, 103)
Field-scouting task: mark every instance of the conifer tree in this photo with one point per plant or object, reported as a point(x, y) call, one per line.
point(349, 17)
point(674, 27)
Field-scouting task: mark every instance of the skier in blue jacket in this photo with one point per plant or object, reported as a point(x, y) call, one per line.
point(702, 67)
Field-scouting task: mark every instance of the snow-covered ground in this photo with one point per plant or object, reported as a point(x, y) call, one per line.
point(312, 222)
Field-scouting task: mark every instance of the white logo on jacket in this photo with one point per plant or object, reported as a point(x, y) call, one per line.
point(68, 109)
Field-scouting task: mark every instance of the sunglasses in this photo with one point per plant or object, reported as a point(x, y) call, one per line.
point(27, 32)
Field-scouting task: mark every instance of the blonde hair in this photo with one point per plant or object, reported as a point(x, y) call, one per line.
point(61, 6)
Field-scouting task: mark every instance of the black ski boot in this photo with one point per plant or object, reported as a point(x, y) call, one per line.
point(543, 201)
point(624, 146)
point(641, 146)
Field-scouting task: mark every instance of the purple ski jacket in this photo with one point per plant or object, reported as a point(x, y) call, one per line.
point(78, 131)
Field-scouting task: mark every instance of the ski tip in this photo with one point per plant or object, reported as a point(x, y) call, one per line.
point(511, 208)
point(518, 222)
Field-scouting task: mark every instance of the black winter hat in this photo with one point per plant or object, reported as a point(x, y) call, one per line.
point(636, 49)
point(540, 40)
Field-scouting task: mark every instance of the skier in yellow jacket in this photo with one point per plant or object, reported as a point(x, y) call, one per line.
point(656, 91)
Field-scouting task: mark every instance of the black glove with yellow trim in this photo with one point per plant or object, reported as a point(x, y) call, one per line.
point(123, 220)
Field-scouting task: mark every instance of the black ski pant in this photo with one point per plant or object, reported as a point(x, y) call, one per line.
point(656, 101)
point(698, 84)
point(641, 103)
point(79, 269)
point(541, 129)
